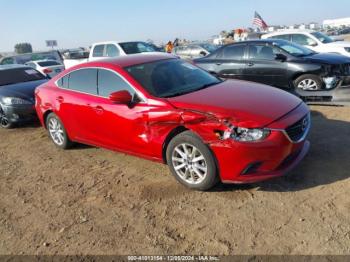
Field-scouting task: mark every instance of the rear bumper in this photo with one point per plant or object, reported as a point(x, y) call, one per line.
point(20, 113)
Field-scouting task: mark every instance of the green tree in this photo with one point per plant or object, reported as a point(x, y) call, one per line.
point(23, 48)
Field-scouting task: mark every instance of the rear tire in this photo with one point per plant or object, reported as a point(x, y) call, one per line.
point(308, 82)
point(57, 132)
point(191, 162)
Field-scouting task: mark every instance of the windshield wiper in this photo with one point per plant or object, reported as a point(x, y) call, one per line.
point(207, 85)
point(183, 92)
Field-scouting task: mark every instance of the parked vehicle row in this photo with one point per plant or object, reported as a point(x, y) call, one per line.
point(157, 106)
point(317, 76)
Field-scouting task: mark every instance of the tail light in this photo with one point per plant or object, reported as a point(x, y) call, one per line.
point(47, 71)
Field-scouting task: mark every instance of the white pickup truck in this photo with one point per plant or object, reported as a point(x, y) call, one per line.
point(112, 49)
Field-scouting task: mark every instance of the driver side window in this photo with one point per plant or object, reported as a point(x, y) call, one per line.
point(302, 40)
point(109, 82)
point(262, 52)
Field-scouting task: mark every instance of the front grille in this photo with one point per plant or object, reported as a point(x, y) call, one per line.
point(347, 70)
point(298, 131)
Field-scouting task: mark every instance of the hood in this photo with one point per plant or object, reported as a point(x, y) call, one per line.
point(328, 58)
point(254, 104)
point(21, 90)
point(339, 44)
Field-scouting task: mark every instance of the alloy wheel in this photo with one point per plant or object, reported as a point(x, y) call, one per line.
point(189, 163)
point(56, 131)
point(308, 84)
point(4, 122)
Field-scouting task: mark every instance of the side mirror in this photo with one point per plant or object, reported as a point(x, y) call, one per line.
point(121, 97)
point(313, 44)
point(280, 57)
point(203, 53)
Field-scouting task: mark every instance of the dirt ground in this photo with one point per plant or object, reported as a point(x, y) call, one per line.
point(92, 201)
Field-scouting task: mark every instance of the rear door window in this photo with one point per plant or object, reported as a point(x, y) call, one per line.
point(98, 51)
point(84, 80)
point(234, 52)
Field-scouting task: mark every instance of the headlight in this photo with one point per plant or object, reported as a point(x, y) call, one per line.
point(246, 134)
point(330, 82)
point(15, 101)
point(347, 49)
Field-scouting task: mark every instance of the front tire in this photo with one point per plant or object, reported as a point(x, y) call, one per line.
point(308, 82)
point(4, 122)
point(57, 132)
point(191, 162)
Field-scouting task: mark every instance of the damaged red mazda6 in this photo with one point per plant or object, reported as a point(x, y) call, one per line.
point(165, 109)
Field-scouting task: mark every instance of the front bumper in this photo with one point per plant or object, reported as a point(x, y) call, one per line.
point(289, 163)
point(20, 113)
point(252, 162)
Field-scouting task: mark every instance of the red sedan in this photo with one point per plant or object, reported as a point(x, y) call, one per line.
point(162, 108)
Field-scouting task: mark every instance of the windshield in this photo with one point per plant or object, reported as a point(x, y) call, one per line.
point(322, 37)
point(19, 75)
point(172, 77)
point(48, 63)
point(209, 47)
point(293, 49)
point(136, 47)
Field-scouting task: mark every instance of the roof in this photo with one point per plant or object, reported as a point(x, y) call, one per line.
point(12, 66)
point(290, 31)
point(115, 42)
point(256, 41)
point(136, 59)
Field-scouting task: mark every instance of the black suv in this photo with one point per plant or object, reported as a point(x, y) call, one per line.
point(320, 77)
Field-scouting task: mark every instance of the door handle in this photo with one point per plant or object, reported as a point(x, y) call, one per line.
point(250, 64)
point(218, 64)
point(99, 110)
point(60, 99)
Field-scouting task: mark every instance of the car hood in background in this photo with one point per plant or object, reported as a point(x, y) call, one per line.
point(339, 44)
point(328, 58)
point(241, 101)
point(22, 90)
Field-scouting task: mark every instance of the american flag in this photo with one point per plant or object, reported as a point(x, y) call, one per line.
point(259, 22)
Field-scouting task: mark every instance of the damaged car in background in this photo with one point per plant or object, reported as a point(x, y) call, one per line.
point(320, 77)
point(165, 109)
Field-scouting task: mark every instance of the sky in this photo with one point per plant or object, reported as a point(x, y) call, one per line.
point(75, 23)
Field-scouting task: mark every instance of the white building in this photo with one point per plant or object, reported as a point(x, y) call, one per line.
point(337, 22)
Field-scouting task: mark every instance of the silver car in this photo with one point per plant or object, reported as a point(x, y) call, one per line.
point(192, 51)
